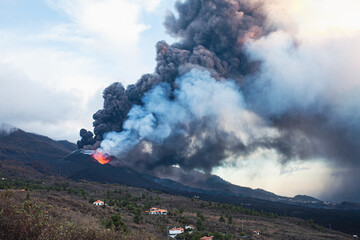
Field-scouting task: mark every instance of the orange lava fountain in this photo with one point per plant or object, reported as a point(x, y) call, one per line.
point(101, 158)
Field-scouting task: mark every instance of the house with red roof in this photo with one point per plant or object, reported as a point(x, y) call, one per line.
point(207, 238)
point(157, 211)
point(98, 203)
point(256, 233)
point(175, 231)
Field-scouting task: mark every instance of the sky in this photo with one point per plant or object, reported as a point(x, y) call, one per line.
point(57, 56)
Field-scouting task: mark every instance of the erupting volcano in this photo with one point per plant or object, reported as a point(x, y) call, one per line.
point(101, 158)
point(238, 83)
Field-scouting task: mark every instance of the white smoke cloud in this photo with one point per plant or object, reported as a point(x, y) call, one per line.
point(199, 97)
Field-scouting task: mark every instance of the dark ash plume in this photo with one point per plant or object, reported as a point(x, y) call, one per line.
point(216, 95)
point(212, 35)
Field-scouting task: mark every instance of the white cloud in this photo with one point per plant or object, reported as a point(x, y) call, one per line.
point(262, 170)
point(58, 70)
point(23, 102)
point(316, 19)
point(113, 21)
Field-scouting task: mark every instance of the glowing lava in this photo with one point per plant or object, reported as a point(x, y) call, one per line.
point(101, 158)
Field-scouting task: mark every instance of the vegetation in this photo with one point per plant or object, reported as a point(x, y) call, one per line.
point(31, 220)
point(57, 208)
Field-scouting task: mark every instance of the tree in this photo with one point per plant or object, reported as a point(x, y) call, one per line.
point(116, 222)
point(218, 236)
point(221, 219)
point(200, 225)
point(199, 215)
point(228, 236)
point(137, 219)
point(230, 219)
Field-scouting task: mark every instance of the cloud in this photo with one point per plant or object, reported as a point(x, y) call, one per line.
point(113, 21)
point(68, 61)
point(24, 102)
point(262, 170)
point(6, 129)
point(315, 19)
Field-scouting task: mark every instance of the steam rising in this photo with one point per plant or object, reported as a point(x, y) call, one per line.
point(6, 129)
point(238, 80)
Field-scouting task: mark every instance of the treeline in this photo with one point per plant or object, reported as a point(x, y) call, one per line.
point(36, 185)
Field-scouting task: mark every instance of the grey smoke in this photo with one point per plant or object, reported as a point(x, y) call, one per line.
point(314, 102)
point(189, 127)
point(230, 86)
point(212, 36)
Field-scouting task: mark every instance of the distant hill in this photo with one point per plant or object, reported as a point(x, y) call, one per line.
point(215, 183)
point(68, 145)
point(28, 147)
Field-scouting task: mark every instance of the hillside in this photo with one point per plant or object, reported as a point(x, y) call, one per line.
point(38, 158)
point(71, 206)
point(28, 147)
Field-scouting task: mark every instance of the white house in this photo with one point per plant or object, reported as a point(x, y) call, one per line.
point(157, 211)
point(175, 231)
point(98, 203)
point(190, 228)
point(256, 232)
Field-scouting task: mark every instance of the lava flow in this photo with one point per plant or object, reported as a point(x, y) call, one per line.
point(101, 158)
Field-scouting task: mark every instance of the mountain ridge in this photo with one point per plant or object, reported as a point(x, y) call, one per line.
point(51, 158)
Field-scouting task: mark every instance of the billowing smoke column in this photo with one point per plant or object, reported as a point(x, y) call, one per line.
point(188, 126)
point(226, 90)
point(212, 33)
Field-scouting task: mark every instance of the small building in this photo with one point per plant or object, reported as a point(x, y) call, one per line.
point(257, 233)
point(162, 212)
point(190, 228)
point(153, 210)
point(157, 211)
point(175, 231)
point(207, 238)
point(98, 203)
